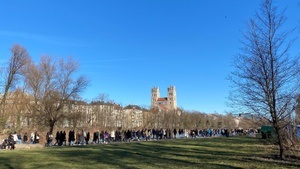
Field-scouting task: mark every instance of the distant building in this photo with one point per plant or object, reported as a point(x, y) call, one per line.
point(96, 114)
point(133, 116)
point(164, 103)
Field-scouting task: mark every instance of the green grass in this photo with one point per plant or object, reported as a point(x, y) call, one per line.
point(233, 152)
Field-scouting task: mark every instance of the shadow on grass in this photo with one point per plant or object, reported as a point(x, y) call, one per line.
point(138, 155)
point(183, 153)
point(5, 163)
point(162, 154)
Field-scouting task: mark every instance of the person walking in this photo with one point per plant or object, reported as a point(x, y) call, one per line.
point(11, 141)
point(87, 138)
point(25, 138)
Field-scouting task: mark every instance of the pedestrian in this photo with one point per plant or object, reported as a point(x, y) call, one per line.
point(11, 142)
point(87, 139)
point(64, 138)
point(25, 138)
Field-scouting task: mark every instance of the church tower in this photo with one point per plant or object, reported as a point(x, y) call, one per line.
point(172, 100)
point(154, 96)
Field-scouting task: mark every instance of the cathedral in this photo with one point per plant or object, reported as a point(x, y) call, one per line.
point(164, 103)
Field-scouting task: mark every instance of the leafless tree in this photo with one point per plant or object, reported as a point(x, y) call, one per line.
point(75, 113)
point(185, 120)
point(53, 84)
point(106, 112)
point(297, 111)
point(16, 109)
point(102, 97)
point(265, 76)
point(228, 121)
point(154, 118)
point(147, 118)
point(11, 74)
point(175, 117)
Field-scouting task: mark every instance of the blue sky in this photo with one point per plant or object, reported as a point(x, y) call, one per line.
point(128, 47)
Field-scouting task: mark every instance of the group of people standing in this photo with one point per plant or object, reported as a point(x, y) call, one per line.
point(14, 138)
point(11, 140)
point(82, 137)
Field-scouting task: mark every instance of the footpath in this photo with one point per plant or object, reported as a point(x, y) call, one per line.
point(28, 146)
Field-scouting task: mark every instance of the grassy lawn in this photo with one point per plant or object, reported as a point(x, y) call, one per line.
point(233, 152)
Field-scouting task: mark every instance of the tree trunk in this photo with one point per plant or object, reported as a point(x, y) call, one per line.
point(51, 125)
point(280, 142)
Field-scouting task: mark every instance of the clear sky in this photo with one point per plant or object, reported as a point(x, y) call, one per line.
point(128, 47)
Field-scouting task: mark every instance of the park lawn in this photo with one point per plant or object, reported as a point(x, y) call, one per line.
point(232, 152)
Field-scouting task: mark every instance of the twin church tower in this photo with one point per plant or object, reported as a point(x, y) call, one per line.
point(165, 103)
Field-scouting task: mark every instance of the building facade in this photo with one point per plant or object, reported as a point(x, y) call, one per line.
point(96, 114)
point(164, 103)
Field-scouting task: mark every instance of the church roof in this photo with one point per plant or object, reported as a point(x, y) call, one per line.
point(162, 99)
point(160, 107)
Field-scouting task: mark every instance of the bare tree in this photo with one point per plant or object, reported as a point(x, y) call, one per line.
point(185, 120)
point(76, 113)
point(153, 118)
point(297, 111)
point(52, 85)
point(16, 109)
point(265, 76)
point(102, 97)
point(147, 118)
point(11, 73)
point(228, 121)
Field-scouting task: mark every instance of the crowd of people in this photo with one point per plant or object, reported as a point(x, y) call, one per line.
point(14, 138)
point(82, 137)
point(10, 141)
